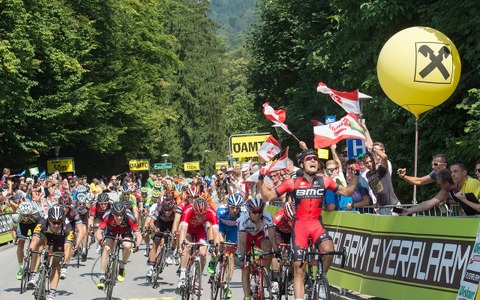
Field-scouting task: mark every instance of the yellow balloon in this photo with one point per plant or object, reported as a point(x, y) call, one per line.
point(419, 68)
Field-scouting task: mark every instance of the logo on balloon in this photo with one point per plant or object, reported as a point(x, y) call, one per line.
point(432, 63)
point(418, 69)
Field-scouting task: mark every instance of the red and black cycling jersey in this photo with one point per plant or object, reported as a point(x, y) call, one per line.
point(307, 197)
point(181, 206)
point(97, 212)
point(129, 223)
point(281, 222)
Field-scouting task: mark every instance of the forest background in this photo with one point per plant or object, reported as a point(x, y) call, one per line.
point(109, 81)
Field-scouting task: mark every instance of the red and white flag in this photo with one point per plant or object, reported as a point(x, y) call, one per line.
point(276, 116)
point(280, 164)
point(269, 148)
point(347, 100)
point(346, 128)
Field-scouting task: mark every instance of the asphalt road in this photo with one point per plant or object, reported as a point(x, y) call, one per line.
point(80, 282)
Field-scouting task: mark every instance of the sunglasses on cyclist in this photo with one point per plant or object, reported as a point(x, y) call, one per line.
point(310, 158)
point(257, 212)
point(436, 164)
point(56, 222)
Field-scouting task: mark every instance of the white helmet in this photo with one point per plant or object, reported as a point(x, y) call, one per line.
point(25, 208)
point(82, 198)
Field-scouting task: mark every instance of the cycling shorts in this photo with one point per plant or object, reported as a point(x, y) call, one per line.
point(22, 230)
point(302, 230)
point(198, 234)
point(258, 239)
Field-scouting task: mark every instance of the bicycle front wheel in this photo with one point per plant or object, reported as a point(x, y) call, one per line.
point(225, 279)
point(322, 288)
point(111, 276)
point(40, 288)
point(25, 275)
point(215, 282)
point(265, 285)
point(196, 283)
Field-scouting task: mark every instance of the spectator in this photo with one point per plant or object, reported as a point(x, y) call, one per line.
point(7, 205)
point(379, 179)
point(439, 162)
point(361, 196)
point(477, 170)
point(5, 175)
point(113, 185)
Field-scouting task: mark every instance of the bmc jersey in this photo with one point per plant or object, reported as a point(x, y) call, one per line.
point(97, 212)
point(245, 224)
point(129, 223)
point(308, 197)
point(281, 222)
point(194, 221)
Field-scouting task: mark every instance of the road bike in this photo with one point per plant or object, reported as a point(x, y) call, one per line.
point(111, 272)
point(316, 282)
point(164, 251)
point(286, 273)
point(220, 280)
point(193, 286)
point(260, 283)
point(42, 285)
point(25, 266)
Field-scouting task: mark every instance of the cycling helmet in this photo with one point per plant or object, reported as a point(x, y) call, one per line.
point(65, 200)
point(55, 213)
point(125, 190)
point(82, 198)
point(156, 194)
point(255, 204)
point(301, 156)
point(235, 200)
point(81, 189)
point(144, 190)
point(157, 185)
point(119, 208)
point(193, 191)
point(168, 203)
point(103, 198)
point(25, 208)
point(200, 206)
point(170, 187)
point(289, 211)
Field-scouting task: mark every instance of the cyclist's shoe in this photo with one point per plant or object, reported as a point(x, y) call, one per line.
point(170, 260)
point(228, 292)
point(321, 292)
point(50, 296)
point(84, 257)
point(32, 283)
point(181, 283)
point(101, 283)
point(63, 273)
point(177, 259)
point(211, 266)
point(121, 275)
point(149, 272)
point(274, 287)
point(147, 251)
point(20, 273)
point(99, 249)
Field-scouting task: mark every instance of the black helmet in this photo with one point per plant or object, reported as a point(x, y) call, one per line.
point(55, 213)
point(103, 198)
point(119, 208)
point(307, 152)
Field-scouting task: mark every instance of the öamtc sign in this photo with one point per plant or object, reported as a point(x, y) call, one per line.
point(246, 145)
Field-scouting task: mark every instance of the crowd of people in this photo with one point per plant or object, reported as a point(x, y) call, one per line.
point(63, 212)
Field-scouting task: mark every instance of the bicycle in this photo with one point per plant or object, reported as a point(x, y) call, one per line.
point(220, 281)
point(193, 274)
point(286, 273)
point(111, 272)
point(162, 255)
point(259, 277)
point(42, 284)
point(316, 282)
point(25, 267)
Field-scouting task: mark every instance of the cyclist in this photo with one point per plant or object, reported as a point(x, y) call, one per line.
point(97, 212)
point(52, 231)
point(71, 217)
point(255, 226)
point(130, 200)
point(283, 220)
point(192, 228)
point(228, 215)
point(83, 211)
point(118, 220)
point(161, 220)
point(307, 193)
point(28, 219)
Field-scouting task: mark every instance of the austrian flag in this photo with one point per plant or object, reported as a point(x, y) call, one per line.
point(269, 148)
point(276, 116)
point(346, 128)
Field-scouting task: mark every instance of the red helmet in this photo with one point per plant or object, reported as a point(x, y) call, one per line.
point(200, 206)
point(289, 211)
point(193, 191)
